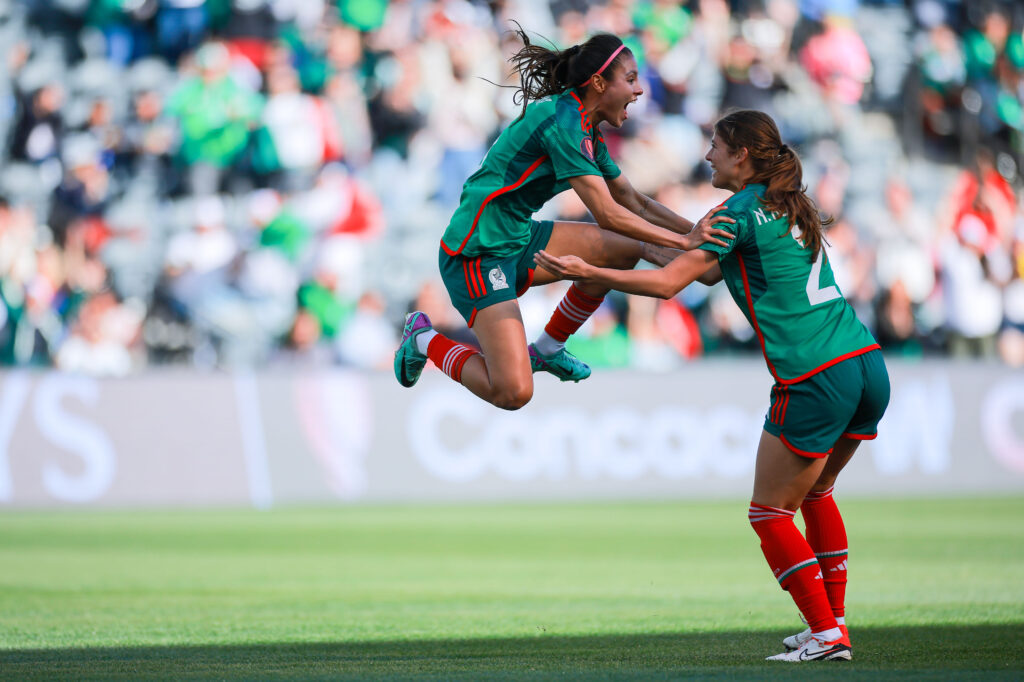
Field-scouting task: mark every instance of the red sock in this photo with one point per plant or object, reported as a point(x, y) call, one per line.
point(450, 357)
point(575, 308)
point(793, 563)
point(826, 535)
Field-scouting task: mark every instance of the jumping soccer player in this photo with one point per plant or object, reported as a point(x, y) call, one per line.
point(831, 386)
point(486, 254)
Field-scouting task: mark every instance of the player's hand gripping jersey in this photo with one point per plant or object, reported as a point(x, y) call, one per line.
point(801, 318)
point(530, 162)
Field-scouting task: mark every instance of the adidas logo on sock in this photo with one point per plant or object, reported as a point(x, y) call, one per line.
point(840, 567)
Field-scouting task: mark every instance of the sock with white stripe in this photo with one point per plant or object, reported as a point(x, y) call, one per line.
point(450, 357)
point(826, 534)
point(793, 563)
point(574, 309)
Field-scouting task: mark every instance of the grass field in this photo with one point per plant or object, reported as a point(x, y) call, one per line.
point(614, 591)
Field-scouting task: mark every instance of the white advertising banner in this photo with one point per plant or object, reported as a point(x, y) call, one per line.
point(262, 439)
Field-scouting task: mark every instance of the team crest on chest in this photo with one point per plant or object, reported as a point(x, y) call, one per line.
point(587, 147)
point(497, 278)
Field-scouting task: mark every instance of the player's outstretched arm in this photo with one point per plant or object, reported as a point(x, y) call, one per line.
point(662, 256)
point(704, 230)
point(664, 282)
point(712, 276)
point(652, 211)
point(593, 191)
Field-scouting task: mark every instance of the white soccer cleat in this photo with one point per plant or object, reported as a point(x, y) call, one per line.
point(794, 642)
point(816, 650)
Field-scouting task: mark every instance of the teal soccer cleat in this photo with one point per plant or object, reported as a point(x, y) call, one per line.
point(409, 361)
point(563, 364)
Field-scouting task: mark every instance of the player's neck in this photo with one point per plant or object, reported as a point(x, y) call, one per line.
point(590, 105)
point(743, 178)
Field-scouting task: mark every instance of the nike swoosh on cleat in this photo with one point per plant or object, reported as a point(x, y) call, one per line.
point(821, 654)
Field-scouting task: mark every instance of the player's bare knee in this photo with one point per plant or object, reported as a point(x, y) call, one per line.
point(513, 396)
point(625, 259)
point(627, 263)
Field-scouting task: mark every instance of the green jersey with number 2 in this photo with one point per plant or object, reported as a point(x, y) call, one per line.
point(801, 318)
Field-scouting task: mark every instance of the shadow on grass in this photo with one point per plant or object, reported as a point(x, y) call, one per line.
point(933, 653)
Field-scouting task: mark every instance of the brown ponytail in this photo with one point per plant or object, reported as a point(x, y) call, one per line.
point(544, 72)
point(778, 167)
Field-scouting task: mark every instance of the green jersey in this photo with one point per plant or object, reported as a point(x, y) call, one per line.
point(530, 162)
point(793, 303)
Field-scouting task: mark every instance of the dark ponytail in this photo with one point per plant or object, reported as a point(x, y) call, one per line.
point(778, 167)
point(544, 72)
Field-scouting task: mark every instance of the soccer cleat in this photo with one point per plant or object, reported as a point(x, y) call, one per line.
point(816, 650)
point(796, 641)
point(563, 364)
point(409, 361)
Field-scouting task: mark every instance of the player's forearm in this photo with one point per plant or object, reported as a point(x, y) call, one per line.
point(618, 219)
point(657, 213)
point(654, 283)
point(650, 210)
point(659, 255)
point(615, 206)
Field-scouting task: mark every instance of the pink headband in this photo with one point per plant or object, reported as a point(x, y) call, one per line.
point(605, 65)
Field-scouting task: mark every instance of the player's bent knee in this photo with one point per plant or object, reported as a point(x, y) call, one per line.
point(512, 397)
point(624, 258)
point(626, 263)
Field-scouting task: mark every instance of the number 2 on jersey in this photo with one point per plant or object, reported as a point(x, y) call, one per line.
point(815, 292)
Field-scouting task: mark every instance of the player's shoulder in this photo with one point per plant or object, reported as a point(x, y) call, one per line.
point(569, 113)
point(567, 100)
point(539, 114)
point(742, 205)
point(748, 198)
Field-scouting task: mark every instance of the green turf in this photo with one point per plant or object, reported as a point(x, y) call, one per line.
point(615, 591)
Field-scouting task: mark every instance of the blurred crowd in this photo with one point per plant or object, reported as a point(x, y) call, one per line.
point(216, 183)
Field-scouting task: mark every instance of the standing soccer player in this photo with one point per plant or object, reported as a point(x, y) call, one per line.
point(486, 254)
point(831, 386)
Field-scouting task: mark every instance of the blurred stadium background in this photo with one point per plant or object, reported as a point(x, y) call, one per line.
point(225, 183)
point(214, 215)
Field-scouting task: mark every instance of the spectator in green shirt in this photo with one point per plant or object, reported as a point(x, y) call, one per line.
point(216, 116)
